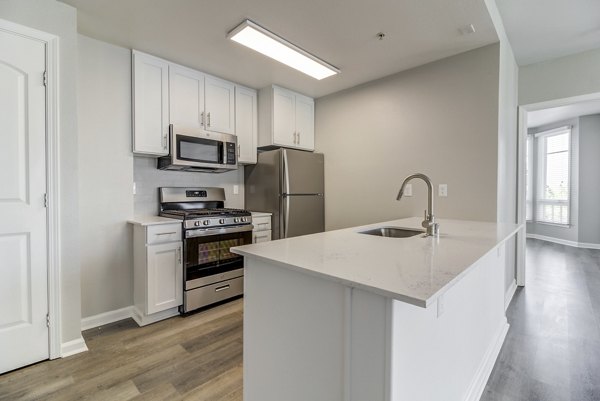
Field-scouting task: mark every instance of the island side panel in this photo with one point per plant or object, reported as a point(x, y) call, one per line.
point(294, 335)
point(447, 351)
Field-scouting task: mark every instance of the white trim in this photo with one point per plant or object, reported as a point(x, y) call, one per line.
point(73, 347)
point(143, 320)
point(584, 245)
point(509, 294)
point(485, 369)
point(102, 319)
point(52, 177)
point(561, 102)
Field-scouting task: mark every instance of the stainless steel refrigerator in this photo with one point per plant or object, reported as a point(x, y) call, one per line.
point(290, 184)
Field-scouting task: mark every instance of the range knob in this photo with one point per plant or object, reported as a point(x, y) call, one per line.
point(236, 220)
point(196, 223)
point(243, 219)
point(221, 221)
point(206, 222)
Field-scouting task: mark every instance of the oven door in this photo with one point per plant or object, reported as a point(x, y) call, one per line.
point(208, 258)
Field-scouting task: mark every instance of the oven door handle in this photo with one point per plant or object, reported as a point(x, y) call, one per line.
point(203, 232)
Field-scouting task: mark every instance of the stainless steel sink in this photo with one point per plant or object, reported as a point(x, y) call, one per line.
point(392, 232)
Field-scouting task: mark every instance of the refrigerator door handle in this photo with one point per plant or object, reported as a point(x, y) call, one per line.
point(286, 173)
point(286, 215)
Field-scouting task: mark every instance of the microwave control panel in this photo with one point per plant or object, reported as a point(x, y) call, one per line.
point(231, 157)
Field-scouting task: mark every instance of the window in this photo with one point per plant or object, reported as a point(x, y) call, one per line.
point(552, 176)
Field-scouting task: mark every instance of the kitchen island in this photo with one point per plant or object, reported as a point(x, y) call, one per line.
point(344, 315)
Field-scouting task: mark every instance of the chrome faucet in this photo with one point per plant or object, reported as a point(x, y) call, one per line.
point(432, 228)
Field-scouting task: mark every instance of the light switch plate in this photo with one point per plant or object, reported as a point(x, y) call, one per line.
point(443, 190)
point(408, 190)
point(236, 189)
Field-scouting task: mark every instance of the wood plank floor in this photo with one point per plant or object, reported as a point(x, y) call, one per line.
point(551, 353)
point(552, 350)
point(198, 357)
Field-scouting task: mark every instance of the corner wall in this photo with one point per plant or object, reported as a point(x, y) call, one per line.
point(589, 170)
point(61, 20)
point(440, 119)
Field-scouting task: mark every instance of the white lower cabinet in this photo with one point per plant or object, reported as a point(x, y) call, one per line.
point(158, 272)
point(262, 227)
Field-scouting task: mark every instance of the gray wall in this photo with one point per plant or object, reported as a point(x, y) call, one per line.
point(105, 176)
point(61, 20)
point(589, 179)
point(148, 179)
point(440, 119)
point(573, 75)
point(570, 233)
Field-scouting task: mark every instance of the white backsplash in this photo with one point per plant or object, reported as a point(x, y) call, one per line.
point(148, 179)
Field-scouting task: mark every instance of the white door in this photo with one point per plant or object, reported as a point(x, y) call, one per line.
point(23, 244)
point(186, 97)
point(284, 117)
point(246, 126)
point(305, 122)
point(165, 275)
point(219, 98)
point(150, 104)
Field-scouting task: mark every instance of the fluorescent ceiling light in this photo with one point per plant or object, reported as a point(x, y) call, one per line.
point(263, 41)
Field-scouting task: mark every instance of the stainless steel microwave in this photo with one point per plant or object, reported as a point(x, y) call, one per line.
point(192, 149)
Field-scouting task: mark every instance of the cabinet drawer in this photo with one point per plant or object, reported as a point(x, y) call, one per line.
point(261, 236)
point(210, 294)
point(262, 223)
point(163, 233)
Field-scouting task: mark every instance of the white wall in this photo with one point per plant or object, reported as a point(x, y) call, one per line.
point(564, 77)
point(105, 176)
point(61, 20)
point(440, 119)
point(148, 179)
point(589, 183)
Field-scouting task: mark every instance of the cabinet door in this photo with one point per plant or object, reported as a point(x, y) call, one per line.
point(186, 97)
point(284, 119)
point(246, 125)
point(165, 277)
point(219, 97)
point(305, 122)
point(150, 104)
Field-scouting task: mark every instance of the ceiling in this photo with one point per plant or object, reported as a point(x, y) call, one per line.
point(549, 116)
point(342, 32)
point(540, 30)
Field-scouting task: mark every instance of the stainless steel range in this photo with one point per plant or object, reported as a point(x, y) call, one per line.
point(211, 272)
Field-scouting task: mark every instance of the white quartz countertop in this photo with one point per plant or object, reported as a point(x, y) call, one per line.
point(415, 270)
point(261, 214)
point(152, 220)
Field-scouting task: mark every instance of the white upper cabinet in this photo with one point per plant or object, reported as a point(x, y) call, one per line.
point(219, 98)
point(246, 124)
point(186, 102)
point(286, 118)
point(150, 104)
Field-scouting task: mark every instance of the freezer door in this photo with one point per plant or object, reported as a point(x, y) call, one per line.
point(303, 172)
point(302, 215)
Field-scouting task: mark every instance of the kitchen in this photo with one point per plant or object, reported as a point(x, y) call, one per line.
point(388, 114)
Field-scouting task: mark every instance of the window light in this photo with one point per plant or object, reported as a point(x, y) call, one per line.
point(266, 42)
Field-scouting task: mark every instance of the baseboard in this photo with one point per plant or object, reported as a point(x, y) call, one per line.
point(105, 318)
point(509, 294)
point(485, 369)
point(143, 320)
point(585, 245)
point(73, 347)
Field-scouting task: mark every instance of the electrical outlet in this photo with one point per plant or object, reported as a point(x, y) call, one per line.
point(443, 190)
point(236, 189)
point(408, 190)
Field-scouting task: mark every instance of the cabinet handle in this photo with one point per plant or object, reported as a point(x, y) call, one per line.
point(173, 232)
point(295, 138)
point(298, 137)
point(238, 151)
point(208, 118)
point(224, 287)
point(179, 255)
point(202, 119)
point(164, 141)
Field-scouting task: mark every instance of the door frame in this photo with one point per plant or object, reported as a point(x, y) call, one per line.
point(52, 177)
point(522, 141)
